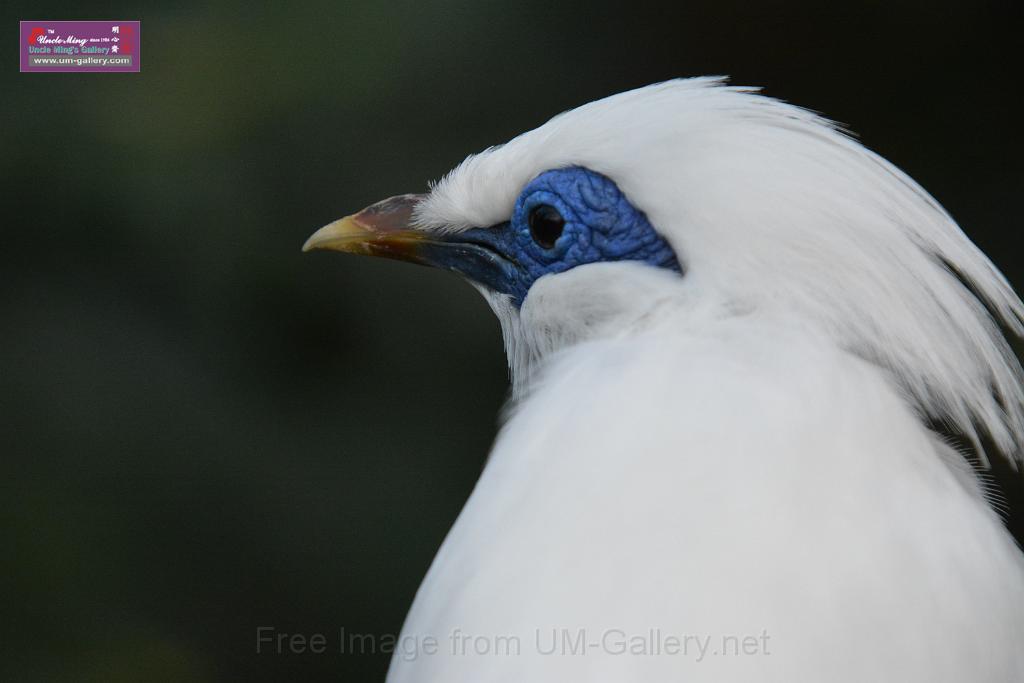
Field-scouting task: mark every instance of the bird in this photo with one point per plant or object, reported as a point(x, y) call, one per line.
point(731, 329)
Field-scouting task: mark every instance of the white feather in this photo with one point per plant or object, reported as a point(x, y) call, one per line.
point(770, 206)
point(740, 450)
point(714, 477)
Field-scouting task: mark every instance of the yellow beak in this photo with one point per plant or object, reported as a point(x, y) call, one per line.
point(382, 229)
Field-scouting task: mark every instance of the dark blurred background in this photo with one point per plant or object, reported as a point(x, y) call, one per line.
point(203, 430)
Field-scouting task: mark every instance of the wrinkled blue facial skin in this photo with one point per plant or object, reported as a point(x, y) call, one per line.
point(600, 226)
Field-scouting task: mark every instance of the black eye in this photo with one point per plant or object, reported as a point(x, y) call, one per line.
point(546, 225)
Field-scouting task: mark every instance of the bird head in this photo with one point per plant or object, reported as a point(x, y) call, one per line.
point(691, 199)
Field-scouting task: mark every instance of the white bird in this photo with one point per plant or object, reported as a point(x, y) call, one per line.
point(728, 326)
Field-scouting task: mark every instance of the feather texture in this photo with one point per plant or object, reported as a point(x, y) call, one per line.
point(785, 492)
point(739, 451)
point(771, 206)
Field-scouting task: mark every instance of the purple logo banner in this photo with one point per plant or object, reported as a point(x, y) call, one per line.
point(81, 46)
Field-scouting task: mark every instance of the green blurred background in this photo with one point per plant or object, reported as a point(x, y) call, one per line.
point(205, 431)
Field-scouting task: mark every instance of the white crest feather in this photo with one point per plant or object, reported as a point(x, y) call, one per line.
point(771, 207)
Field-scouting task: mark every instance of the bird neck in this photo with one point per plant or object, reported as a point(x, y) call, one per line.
point(708, 482)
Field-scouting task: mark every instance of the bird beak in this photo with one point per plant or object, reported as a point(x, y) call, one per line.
point(381, 229)
point(385, 229)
